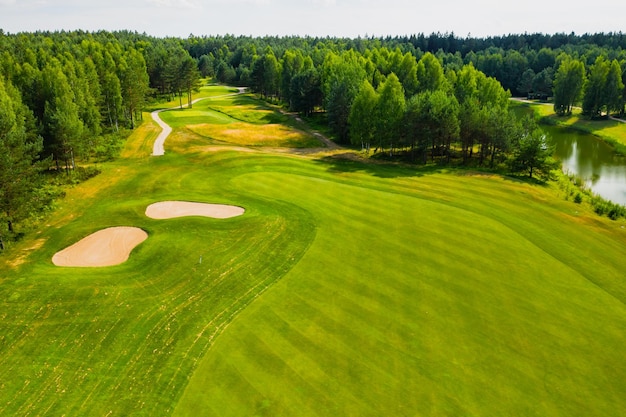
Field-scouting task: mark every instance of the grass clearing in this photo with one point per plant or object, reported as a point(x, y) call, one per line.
point(246, 134)
point(238, 120)
point(345, 289)
point(205, 91)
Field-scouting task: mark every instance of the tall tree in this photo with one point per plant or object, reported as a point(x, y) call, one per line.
point(568, 85)
point(134, 83)
point(361, 119)
point(306, 91)
point(342, 78)
point(266, 74)
point(416, 124)
point(433, 115)
point(543, 82)
point(63, 128)
point(190, 78)
point(594, 100)
point(173, 75)
point(389, 112)
point(614, 88)
point(111, 91)
point(292, 64)
point(525, 85)
point(502, 128)
point(18, 152)
point(430, 75)
point(532, 152)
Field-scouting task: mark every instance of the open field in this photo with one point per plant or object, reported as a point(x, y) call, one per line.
point(345, 288)
point(240, 120)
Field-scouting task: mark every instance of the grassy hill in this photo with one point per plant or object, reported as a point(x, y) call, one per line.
point(346, 288)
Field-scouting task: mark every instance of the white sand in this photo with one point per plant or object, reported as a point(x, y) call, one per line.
point(106, 247)
point(173, 209)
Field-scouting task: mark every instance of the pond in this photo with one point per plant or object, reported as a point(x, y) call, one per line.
point(588, 157)
point(591, 159)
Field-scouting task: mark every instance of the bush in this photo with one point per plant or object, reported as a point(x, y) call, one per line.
point(578, 198)
point(612, 210)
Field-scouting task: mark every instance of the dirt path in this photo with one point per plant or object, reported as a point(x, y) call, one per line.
point(158, 149)
point(330, 145)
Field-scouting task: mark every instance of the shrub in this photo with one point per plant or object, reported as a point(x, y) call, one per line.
point(578, 198)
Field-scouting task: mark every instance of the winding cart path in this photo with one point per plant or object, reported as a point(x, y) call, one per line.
point(158, 149)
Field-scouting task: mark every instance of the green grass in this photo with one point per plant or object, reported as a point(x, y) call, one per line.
point(345, 289)
point(237, 120)
point(205, 91)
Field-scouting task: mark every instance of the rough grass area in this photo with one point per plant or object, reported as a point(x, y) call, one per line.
point(346, 288)
point(247, 134)
point(237, 120)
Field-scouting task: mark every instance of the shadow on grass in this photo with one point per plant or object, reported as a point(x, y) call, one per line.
point(514, 178)
point(349, 162)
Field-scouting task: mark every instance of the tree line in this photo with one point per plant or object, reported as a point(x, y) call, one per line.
point(70, 96)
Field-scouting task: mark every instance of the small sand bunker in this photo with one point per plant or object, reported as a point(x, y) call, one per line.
point(173, 209)
point(106, 247)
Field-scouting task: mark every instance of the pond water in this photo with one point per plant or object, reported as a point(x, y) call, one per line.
point(588, 157)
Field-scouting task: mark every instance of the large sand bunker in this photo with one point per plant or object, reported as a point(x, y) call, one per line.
point(106, 247)
point(173, 209)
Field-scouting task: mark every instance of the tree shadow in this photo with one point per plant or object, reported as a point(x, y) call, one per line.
point(349, 162)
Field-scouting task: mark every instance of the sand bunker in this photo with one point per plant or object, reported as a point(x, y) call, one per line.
point(173, 209)
point(106, 247)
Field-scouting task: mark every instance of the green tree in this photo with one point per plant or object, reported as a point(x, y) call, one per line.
point(594, 99)
point(63, 128)
point(173, 75)
point(568, 85)
point(525, 85)
point(434, 116)
point(190, 76)
point(292, 63)
point(266, 74)
point(111, 91)
point(543, 82)
point(205, 66)
point(306, 92)
point(362, 123)
point(430, 75)
point(389, 112)
point(342, 79)
point(532, 153)
point(134, 83)
point(91, 115)
point(18, 152)
point(472, 122)
point(502, 128)
point(405, 67)
point(614, 88)
point(417, 124)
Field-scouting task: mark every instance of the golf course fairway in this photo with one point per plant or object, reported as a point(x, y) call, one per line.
point(347, 288)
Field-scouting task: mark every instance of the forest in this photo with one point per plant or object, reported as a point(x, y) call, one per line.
point(70, 97)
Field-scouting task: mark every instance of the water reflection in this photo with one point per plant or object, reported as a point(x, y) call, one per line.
point(588, 157)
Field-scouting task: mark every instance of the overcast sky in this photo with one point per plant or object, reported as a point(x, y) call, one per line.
point(350, 18)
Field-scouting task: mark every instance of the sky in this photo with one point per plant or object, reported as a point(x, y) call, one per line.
point(341, 18)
